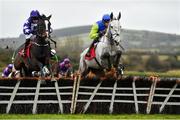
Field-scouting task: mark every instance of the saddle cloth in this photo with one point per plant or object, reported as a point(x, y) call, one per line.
point(92, 54)
point(28, 55)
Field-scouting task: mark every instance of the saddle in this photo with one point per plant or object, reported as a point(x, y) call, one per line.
point(92, 53)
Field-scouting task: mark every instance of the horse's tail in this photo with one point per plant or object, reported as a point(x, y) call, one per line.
point(16, 52)
point(17, 59)
point(82, 64)
point(13, 56)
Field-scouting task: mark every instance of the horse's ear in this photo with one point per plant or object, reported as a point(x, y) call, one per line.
point(111, 16)
point(49, 17)
point(119, 16)
point(43, 17)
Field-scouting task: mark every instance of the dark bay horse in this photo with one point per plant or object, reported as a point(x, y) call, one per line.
point(39, 51)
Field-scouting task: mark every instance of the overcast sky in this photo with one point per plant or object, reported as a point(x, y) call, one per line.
point(154, 15)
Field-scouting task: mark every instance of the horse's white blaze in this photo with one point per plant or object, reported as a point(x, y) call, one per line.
point(47, 30)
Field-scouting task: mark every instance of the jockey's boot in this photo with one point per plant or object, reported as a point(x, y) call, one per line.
point(26, 46)
point(92, 45)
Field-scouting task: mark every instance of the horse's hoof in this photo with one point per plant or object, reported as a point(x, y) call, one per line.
point(102, 78)
point(53, 80)
point(119, 77)
point(43, 82)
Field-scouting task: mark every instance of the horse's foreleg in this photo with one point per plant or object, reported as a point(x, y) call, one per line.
point(118, 56)
point(47, 68)
point(41, 69)
point(107, 56)
point(119, 67)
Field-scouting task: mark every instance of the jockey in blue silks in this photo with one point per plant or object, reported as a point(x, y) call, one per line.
point(98, 30)
point(29, 28)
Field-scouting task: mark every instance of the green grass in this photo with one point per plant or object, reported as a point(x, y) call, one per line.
point(88, 116)
point(145, 57)
point(173, 73)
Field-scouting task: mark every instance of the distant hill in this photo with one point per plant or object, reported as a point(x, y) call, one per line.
point(149, 40)
point(71, 31)
point(131, 39)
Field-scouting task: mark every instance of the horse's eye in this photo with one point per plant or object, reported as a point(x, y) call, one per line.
point(111, 26)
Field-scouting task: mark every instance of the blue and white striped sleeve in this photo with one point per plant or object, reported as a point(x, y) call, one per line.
point(27, 28)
